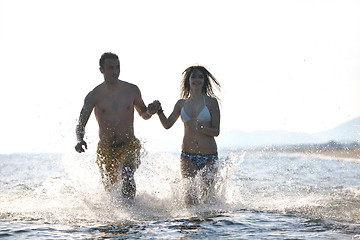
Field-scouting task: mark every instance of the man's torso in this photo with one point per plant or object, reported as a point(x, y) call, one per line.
point(114, 111)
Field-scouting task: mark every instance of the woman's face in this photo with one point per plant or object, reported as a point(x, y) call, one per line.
point(197, 80)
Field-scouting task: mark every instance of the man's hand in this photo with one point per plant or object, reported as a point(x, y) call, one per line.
point(153, 107)
point(79, 146)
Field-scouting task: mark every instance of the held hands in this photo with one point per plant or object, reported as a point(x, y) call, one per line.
point(153, 107)
point(79, 146)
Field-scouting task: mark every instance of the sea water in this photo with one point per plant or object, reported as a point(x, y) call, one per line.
point(257, 196)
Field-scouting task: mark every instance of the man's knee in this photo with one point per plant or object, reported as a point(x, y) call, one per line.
point(128, 171)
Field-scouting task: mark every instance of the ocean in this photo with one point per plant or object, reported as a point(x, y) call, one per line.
point(257, 195)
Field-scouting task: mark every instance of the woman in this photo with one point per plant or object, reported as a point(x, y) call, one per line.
point(199, 110)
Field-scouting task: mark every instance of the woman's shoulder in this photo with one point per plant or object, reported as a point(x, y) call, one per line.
point(180, 103)
point(212, 103)
point(211, 100)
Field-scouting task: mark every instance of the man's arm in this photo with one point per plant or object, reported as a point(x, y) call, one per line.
point(83, 119)
point(140, 106)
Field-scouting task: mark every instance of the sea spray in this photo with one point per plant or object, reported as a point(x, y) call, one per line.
point(269, 194)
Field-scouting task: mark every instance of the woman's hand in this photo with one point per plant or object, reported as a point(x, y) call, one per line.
point(153, 107)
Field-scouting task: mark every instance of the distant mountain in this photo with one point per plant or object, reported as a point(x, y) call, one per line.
point(345, 133)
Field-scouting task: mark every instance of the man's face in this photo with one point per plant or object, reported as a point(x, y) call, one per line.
point(111, 70)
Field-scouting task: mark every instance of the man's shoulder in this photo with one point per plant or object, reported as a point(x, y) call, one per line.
point(130, 87)
point(122, 86)
point(97, 89)
point(127, 84)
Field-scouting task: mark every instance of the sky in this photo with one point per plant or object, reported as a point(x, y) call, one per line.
point(289, 65)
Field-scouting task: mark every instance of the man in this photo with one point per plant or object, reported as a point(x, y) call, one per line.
point(113, 101)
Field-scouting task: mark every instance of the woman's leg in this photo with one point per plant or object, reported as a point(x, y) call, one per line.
point(208, 180)
point(189, 171)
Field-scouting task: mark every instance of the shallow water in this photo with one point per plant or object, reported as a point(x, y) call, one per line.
point(258, 196)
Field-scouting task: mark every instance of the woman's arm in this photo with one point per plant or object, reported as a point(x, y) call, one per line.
point(169, 122)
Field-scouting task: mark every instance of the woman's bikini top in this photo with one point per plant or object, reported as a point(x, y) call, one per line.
point(203, 116)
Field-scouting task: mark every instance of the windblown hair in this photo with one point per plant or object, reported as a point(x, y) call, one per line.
point(107, 55)
point(207, 88)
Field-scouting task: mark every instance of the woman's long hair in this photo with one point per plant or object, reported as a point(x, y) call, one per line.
point(207, 88)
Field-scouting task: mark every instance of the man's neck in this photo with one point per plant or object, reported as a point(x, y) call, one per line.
point(111, 82)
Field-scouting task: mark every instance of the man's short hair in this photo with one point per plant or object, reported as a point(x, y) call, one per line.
point(107, 55)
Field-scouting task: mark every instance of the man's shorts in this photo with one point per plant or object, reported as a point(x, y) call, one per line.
point(110, 158)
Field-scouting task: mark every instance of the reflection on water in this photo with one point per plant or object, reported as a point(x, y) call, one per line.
point(237, 225)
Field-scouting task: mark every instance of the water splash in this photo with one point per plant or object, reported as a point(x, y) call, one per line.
point(69, 190)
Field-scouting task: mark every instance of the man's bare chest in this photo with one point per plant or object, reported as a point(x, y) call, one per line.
point(114, 103)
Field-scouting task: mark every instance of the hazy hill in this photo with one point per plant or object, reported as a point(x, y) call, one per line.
point(345, 133)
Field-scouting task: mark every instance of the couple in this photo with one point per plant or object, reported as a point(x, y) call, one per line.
point(118, 152)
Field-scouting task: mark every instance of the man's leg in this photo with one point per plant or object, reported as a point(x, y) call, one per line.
point(108, 166)
point(128, 181)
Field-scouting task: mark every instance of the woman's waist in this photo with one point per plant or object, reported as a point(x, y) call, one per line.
point(198, 146)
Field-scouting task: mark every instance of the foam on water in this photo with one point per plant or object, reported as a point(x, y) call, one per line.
point(68, 190)
point(75, 194)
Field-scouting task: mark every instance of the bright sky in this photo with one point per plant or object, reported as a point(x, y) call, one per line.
point(283, 64)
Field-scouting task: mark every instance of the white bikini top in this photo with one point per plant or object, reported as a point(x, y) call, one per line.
point(203, 116)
